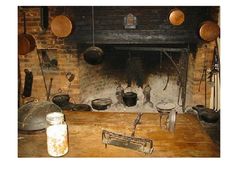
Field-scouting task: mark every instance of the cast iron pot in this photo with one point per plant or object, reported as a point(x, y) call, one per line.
point(209, 115)
point(61, 100)
point(101, 103)
point(199, 108)
point(76, 107)
point(130, 99)
point(93, 55)
point(206, 114)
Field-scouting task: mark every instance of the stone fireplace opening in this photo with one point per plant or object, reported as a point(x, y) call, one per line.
point(163, 68)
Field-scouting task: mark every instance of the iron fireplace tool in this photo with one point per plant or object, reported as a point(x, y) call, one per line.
point(130, 142)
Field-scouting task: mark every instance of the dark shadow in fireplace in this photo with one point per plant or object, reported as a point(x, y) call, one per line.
point(137, 65)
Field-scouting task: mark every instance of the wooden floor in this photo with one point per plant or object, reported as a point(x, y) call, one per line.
point(85, 128)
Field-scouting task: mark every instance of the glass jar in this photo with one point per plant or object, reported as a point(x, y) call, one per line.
point(57, 138)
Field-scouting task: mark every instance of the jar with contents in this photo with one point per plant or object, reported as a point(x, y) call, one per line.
point(57, 138)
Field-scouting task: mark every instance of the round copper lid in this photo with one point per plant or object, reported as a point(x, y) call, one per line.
point(209, 31)
point(176, 17)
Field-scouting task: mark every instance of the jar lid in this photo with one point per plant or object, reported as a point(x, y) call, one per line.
point(55, 117)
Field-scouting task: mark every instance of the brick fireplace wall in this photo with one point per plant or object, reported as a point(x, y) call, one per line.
point(66, 56)
point(92, 82)
point(204, 53)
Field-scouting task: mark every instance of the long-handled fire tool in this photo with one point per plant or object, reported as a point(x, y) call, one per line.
point(130, 142)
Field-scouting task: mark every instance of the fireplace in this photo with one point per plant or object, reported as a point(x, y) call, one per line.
point(151, 53)
point(163, 68)
point(150, 66)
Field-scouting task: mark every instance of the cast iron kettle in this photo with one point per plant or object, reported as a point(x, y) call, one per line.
point(206, 114)
point(130, 99)
point(93, 55)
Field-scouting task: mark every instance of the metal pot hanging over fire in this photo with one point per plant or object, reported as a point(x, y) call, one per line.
point(93, 55)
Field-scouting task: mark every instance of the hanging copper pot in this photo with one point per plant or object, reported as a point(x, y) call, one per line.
point(61, 26)
point(209, 31)
point(176, 17)
point(26, 42)
point(23, 44)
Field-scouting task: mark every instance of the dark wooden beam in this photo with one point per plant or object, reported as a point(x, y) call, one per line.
point(135, 37)
point(151, 49)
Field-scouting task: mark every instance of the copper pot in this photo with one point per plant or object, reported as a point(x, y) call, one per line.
point(61, 26)
point(209, 31)
point(23, 44)
point(176, 17)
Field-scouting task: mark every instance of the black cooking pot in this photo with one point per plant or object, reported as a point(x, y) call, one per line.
point(199, 108)
point(206, 114)
point(93, 55)
point(61, 100)
point(101, 103)
point(130, 99)
point(209, 115)
point(76, 107)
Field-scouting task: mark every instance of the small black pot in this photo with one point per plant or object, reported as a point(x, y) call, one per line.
point(76, 107)
point(93, 55)
point(130, 99)
point(199, 108)
point(101, 103)
point(61, 100)
point(209, 115)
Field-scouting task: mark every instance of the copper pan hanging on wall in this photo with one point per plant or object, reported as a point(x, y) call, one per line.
point(209, 31)
point(61, 25)
point(176, 17)
point(26, 42)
